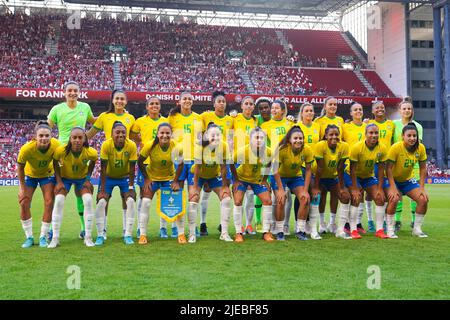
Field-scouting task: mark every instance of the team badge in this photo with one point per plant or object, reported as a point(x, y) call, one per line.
point(126, 153)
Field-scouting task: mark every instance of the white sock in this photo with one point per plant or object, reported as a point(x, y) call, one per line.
point(180, 225)
point(131, 209)
point(313, 214)
point(144, 215)
point(249, 206)
point(204, 202)
point(279, 225)
point(27, 226)
point(418, 222)
point(288, 208)
point(267, 218)
point(57, 214)
point(321, 216)
point(139, 206)
point(301, 225)
point(344, 210)
point(360, 212)
point(379, 215)
point(225, 214)
point(162, 223)
point(88, 214)
point(100, 217)
point(45, 227)
point(192, 217)
point(332, 218)
point(124, 219)
point(174, 224)
point(390, 223)
point(354, 211)
point(369, 210)
point(237, 215)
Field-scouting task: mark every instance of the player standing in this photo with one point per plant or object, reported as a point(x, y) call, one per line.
point(160, 155)
point(402, 158)
point(74, 163)
point(69, 114)
point(35, 167)
point(118, 161)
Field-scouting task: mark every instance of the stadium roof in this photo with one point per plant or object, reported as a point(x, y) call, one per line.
point(318, 8)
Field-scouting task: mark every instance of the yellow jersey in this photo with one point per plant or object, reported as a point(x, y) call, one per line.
point(250, 164)
point(74, 166)
point(242, 127)
point(331, 157)
point(291, 163)
point(106, 120)
point(225, 123)
point(404, 160)
point(161, 166)
point(386, 131)
point(325, 121)
point(366, 158)
point(353, 133)
point(187, 130)
point(118, 160)
point(311, 133)
point(37, 164)
point(147, 127)
point(276, 130)
point(211, 160)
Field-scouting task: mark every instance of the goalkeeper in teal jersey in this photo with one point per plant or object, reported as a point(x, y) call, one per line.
point(407, 114)
point(69, 114)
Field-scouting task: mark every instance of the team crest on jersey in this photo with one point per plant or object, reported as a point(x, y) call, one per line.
point(127, 120)
point(126, 153)
point(85, 161)
point(81, 113)
point(379, 155)
point(417, 155)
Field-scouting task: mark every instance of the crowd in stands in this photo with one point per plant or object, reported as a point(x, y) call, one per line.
point(434, 171)
point(160, 56)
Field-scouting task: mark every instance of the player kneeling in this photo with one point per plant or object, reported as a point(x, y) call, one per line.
point(74, 163)
point(402, 157)
point(253, 161)
point(35, 167)
point(364, 155)
point(118, 161)
point(161, 154)
point(291, 155)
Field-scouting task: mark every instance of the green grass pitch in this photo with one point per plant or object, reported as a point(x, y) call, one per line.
point(410, 268)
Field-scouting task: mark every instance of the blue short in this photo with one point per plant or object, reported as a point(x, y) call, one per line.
point(212, 183)
point(140, 179)
point(257, 188)
point(329, 183)
point(385, 179)
point(34, 182)
point(186, 173)
point(156, 185)
point(362, 183)
point(77, 182)
point(407, 186)
point(111, 183)
point(291, 183)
